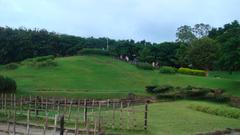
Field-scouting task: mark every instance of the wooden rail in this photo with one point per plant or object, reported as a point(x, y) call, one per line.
point(97, 115)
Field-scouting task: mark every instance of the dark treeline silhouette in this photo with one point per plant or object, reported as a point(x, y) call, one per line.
point(199, 47)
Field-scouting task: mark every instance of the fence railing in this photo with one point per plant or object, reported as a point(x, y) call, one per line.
point(87, 116)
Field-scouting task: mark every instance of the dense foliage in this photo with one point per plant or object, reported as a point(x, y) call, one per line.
point(189, 71)
point(38, 62)
point(167, 70)
point(144, 66)
point(7, 85)
point(199, 47)
point(172, 93)
point(229, 113)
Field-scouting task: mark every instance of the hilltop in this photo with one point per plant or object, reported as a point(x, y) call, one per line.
point(100, 76)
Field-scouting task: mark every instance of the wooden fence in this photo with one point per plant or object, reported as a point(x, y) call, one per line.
point(79, 116)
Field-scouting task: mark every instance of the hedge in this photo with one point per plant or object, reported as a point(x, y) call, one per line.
point(11, 66)
point(44, 61)
point(167, 70)
point(229, 113)
point(7, 85)
point(189, 92)
point(145, 66)
point(192, 71)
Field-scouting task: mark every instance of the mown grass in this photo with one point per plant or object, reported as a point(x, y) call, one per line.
point(164, 118)
point(102, 77)
point(176, 118)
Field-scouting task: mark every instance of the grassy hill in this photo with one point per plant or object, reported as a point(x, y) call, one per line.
point(175, 118)
point(103, 77)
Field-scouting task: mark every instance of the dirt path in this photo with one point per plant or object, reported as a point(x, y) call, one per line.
point(21, 130)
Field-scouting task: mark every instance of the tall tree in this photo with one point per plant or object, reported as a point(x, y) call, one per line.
point(203, 53)
point(201, 30)
point(229, 38)
point(185, 34)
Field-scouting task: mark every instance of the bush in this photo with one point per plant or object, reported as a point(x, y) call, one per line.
point(222, 98)
point(192, 71)
point(172, 95)
point(47, 63)
point(44, 61)
point(159, 89)
point(7, 85)
point(167, 70)
point(89, 51)
point(145, 66)
point(195, 93)
point(38, 59)
point(11, 66)
point(44, 58)
point(188, 92)
point(230, 113)
point(149, 89)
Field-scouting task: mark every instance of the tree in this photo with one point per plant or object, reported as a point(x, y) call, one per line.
point(185, 34)
point(145, 55)
point(165, 53)
point(203, 53)
point(182, 56)
point(230, 55)
point(201, 30)
point(229, 38)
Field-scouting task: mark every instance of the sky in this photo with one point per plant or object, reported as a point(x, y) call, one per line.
point(151, 20)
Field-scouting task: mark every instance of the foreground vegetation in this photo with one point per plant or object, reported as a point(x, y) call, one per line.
point(176, 118)
point(105, 77)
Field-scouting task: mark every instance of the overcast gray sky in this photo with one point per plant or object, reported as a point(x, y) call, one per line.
point(152, 20)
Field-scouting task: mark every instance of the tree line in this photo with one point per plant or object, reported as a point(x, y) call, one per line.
point(200, 47)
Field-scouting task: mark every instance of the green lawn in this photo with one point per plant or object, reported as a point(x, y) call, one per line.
point(175, 118)
point(103, 77)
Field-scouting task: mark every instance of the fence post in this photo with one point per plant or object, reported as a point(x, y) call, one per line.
point(14, 116)
point(45, 124)
point(113, 115)
point(76, 127)
point(62, 125)
point(2, 102)
point(28, 122)
point(146, 115)
point(55, 124)
point(85, 112)
point(69, 111)
point(21, 104)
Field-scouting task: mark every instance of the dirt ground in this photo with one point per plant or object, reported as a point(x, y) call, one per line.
point(21, 130)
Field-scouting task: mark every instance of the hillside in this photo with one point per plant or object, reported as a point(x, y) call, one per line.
point(103, 77)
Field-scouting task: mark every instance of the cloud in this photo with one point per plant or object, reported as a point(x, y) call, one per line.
point(152, 20)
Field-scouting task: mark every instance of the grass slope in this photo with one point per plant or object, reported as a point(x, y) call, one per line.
point(175, 118)
point(102, 77)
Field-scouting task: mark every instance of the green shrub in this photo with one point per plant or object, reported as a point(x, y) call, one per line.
point(172, 95)
point(90, 51)
point(189, 92)
point(221, 98)
point(192, 71)
point(149, 89)
point(167, 70)
point(195, 94)
point(230, 113)
point(47, 63)
point(159, 89)
point(11, 66)
point(145, 66)
point(44, 61)
point(44, 58)
point(38, 59)
point(7, 85)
